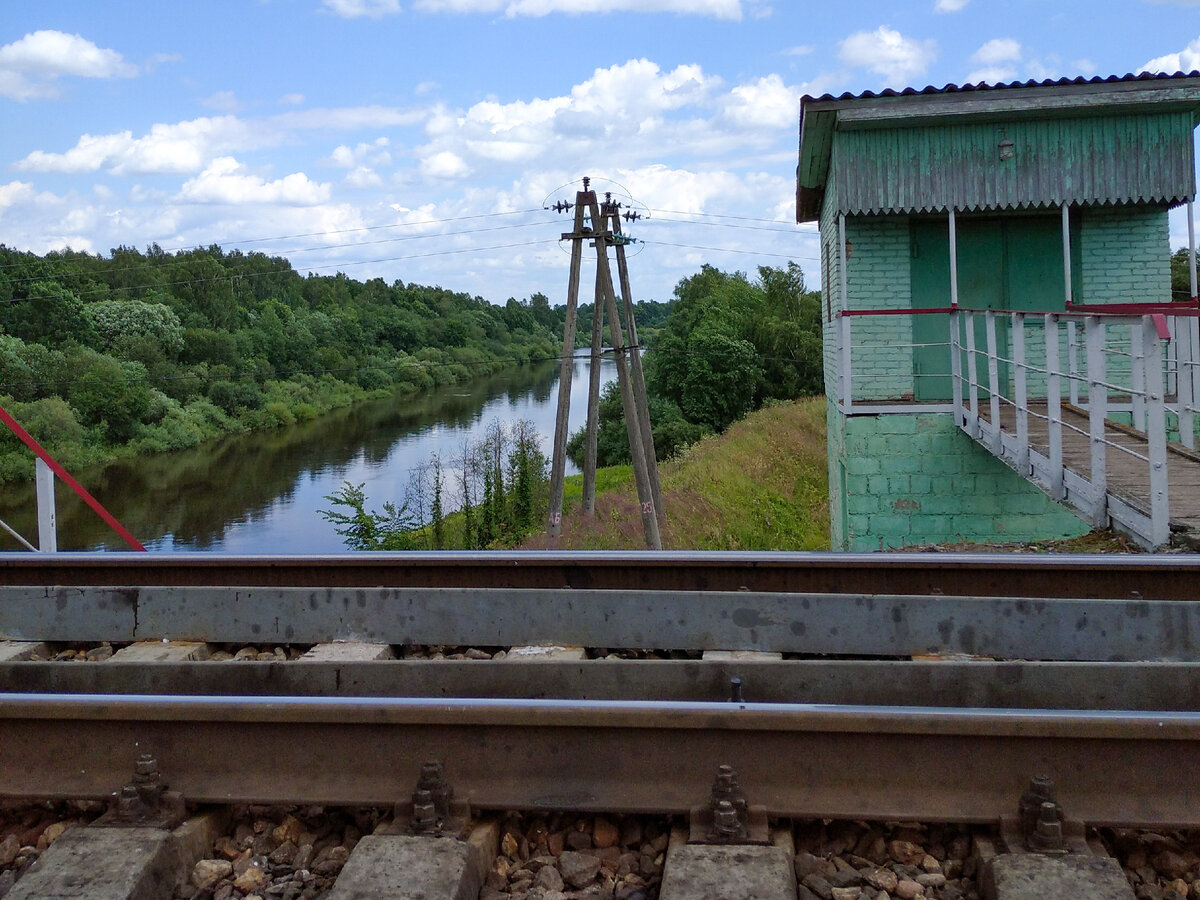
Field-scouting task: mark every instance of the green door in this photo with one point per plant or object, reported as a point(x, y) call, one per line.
point(1009, 263)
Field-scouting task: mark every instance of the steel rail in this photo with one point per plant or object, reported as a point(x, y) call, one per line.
point(1174, 577)
point(794, 759)
point(1155, 686)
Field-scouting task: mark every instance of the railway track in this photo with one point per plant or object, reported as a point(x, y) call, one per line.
point(832, 686)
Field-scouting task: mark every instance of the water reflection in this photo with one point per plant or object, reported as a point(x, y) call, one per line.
point(260, 493)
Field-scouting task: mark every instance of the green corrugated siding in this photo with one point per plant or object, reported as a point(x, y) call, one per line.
point(1094, 160)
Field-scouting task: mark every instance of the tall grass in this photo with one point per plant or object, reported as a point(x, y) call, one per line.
point(761, 485)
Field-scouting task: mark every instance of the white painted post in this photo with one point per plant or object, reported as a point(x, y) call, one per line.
point(1097, 413)
point(1184, 362)
point(953, 259)
point(1021, 392)
point(1054, 409)
point(956, 368)
point(1187, 381)
point(844, 364)
point(1191, 248)
point(989, 325)
point(1066, 248)
point(47, 517)
point(972, 377)
point(844, 321)
point(1156, 435)
point(1137, 372)
point(1073, 361)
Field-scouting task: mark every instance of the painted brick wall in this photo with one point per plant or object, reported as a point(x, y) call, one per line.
point(1125, 255)
point(878, 278)
point(915, 480)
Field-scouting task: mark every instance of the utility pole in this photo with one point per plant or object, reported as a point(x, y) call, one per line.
point(604, 230)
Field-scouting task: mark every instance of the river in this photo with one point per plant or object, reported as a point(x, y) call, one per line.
point(261, 492)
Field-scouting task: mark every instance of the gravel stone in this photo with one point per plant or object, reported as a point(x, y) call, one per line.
point(819, 886)
point(578, 869)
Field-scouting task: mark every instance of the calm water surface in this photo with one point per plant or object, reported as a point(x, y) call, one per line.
point(260, 493)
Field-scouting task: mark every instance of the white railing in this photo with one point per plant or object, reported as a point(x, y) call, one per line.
point(1067, 399)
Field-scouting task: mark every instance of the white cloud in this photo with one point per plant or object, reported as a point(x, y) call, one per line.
point(222, 101)
point(226, 181)
point(887, 52)
point(375, 153)
point(363, 177)
point(766, 103)
point(159, 59)
point(950, 6)
point(997, 50)
point(719, 9)
point(30, 66)
point(15, 192)
point(186, 147)
point(354, 9)
point(291, 100)
point(167, 149)
point(445, 165)
point(992, 75)
point(800, 50)
point(996, 59)
point(1185, 60)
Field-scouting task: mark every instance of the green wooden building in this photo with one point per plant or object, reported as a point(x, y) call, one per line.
point(1038, 202)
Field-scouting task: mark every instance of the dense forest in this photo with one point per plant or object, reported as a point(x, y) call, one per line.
point(141, 352)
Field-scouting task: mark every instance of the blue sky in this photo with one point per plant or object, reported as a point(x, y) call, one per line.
point(418, 139)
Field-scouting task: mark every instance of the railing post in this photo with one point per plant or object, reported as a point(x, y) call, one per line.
point(1137, 371)
point(47, 517)
point(989, 325)
point(1097, 413)
point(972, 377)
point(1185, 358)
point(1073, 361)
point(1020, 392)
point(844, 367)
point(1054, 409)
point(956, 367)
point(1156, 435)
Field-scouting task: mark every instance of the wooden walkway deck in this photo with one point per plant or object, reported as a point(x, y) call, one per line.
point(1128, 475)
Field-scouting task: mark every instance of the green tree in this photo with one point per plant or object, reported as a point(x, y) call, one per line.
point(110, 395)
point(115, 319)
point(364, 529)
point(49, 314)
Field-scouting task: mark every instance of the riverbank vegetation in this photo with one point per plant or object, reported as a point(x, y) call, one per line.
point(727, 346)
point(724, 347)
point(143, 352)
point(762, 484)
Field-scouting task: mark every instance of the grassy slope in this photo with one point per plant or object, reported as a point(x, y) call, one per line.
point(762, 485)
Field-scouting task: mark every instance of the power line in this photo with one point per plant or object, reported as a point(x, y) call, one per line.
point(730, 250)
point(681, 212)
point(288, 237)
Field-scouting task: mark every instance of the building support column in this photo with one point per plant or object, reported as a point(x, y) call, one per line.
point(1066, 248)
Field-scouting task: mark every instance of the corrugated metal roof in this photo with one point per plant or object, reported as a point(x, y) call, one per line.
point(1003, 86)
point(1118, 139)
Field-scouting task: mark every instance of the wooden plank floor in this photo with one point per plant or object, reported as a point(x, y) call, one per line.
point(1128, 476)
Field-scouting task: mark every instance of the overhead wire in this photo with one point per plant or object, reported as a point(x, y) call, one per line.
point(280, 253)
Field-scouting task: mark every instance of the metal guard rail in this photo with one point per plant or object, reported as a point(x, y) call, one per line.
point(1161, 382)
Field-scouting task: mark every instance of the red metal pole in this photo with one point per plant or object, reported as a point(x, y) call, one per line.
point(27, 439)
